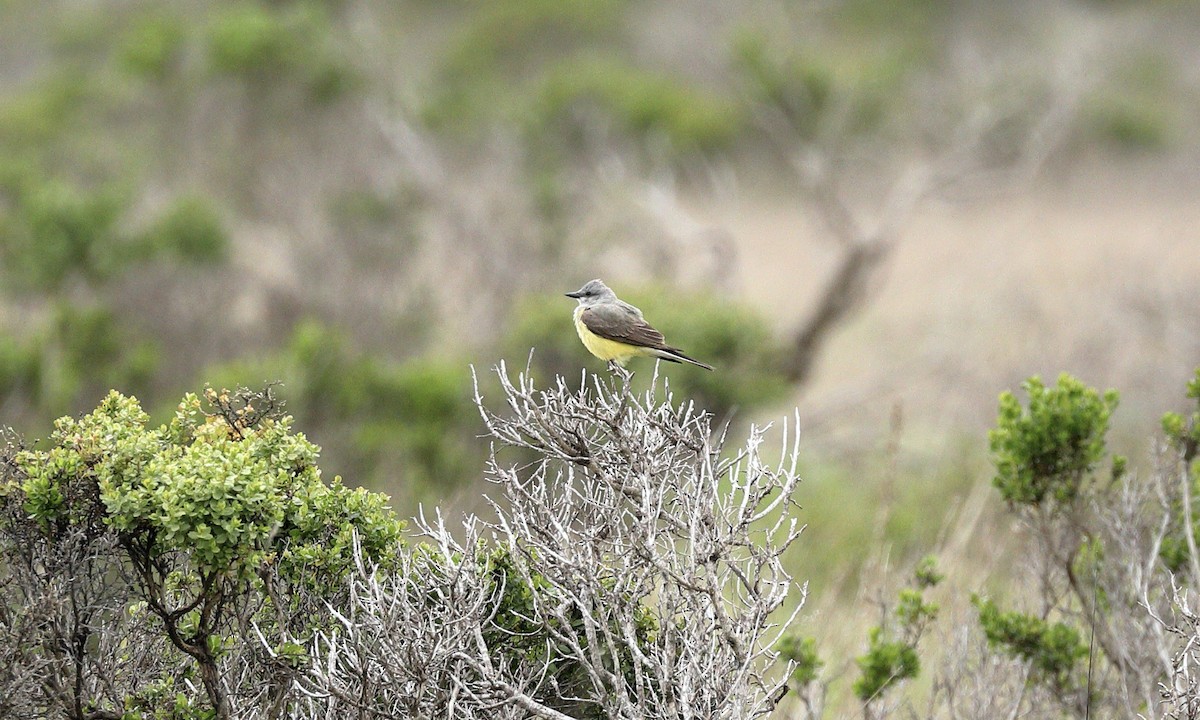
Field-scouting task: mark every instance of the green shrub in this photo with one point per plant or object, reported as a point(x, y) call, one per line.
point(1137, 107)
point(78, 352)
point(803, 652)
point(642, 104)
point(856, 87)
point(1183, 433)
point(891, 656)
point(54, 230)
point(153, 46)
point(801, 87)
point(1053, 649)
point(190, 229)
point(264, 45)
point(886, 663)
point(248, 39)
point(1133, 123)
point(499, 52)
point(20, 366)
point(1044, 452)
point(502, 36)
point(227, 487)
point(42, 113)
point(192, 533)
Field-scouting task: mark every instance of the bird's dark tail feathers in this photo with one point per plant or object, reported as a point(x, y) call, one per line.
point(676, 355)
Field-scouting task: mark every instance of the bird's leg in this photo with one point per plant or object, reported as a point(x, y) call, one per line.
point(622, 372)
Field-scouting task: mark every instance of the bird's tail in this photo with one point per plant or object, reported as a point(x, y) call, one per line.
point(676, 355)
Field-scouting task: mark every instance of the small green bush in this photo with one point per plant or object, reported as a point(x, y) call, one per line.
point(190, 229)
point(227, 488)
point(1137, 107)
point(54, 230)
point(250, 40)
point(1054, 649)
point(1043, 452)
point(153, 46)
point(642, 104)
point(190, 533)
point(857, 87)
point(79, 351)
point(42, 113)
point(886, 663)
point(499, 53)
point(891, 655)
point(803, 652)
point(264, 45)
point(1132, 123)
point(1183, 433)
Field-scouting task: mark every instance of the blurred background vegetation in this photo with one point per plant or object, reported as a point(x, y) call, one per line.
point(362, 199)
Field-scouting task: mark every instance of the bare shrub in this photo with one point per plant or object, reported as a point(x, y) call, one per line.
point(633, 570)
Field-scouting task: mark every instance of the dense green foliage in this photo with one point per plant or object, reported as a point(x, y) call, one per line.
point(191, 530)
point(1043, 452)
point(1055, 650)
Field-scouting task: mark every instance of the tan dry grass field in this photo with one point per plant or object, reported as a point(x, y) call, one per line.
point(1095, 271)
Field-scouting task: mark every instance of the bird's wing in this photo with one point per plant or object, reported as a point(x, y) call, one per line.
point(613, 322)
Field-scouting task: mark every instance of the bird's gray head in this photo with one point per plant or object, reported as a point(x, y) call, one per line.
point(593, 292)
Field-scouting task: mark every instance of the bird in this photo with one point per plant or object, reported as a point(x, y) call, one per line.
point(613, 330)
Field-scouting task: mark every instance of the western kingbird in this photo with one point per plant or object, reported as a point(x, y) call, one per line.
point(614, 330)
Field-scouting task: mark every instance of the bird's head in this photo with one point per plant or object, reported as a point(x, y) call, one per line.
point(591, 292)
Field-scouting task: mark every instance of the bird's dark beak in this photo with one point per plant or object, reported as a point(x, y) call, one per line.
point(575, 295)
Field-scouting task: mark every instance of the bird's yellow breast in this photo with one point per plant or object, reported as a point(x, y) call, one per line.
point(604, 348)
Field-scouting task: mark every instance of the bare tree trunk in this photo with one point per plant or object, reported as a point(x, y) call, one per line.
point(843, 294)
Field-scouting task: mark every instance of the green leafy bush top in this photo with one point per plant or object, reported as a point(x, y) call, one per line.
point(1044, 451)
point(1052, 648)
point(233, 489)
